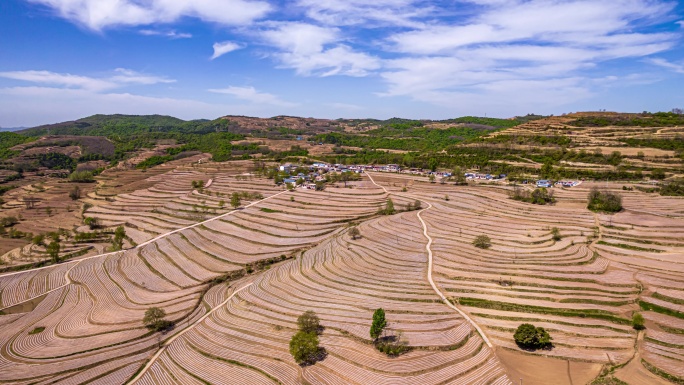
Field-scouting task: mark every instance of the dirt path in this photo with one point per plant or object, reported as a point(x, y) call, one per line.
point(168, 342)
point(66, 278)
point(432, 282)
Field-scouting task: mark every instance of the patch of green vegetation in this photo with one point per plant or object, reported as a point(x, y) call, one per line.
point(154, 160)
point(676, 301)
point(37, 329)
point(267, 210)
point(609, 380)
point(582, 313)
point(9, 140)
point(673, 188)
point(657, 371)
point(604, 201)
point(658, 119)
point(629, 247)
point(660, 309)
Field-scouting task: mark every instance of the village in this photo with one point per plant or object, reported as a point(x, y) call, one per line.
point(312, 177)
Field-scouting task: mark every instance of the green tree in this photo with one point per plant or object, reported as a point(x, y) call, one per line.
point(304, 347)
point(119, 235)
point(53, 251)
point(154, 319)
point(555, 234)
point(222, 203)
point(432, 164)
point(638, 321)
point(604, 201)
point(527, 336)
point(547, 170)
point(309, 322)
point(482, 241)
point(389, 208)
point(458, 176)
point(235, 200)
point(379, 324)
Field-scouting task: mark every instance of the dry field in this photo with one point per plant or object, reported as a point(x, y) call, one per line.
point(457, 306)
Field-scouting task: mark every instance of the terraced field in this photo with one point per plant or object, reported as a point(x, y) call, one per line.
point(84, 319)
point(583, 288)
point(456, 306)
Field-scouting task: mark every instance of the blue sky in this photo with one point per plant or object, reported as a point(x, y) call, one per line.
point(66, 59)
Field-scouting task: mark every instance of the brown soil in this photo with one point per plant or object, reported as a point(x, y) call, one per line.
point(538, 370)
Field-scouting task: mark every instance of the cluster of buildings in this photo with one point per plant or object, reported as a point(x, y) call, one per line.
point(317, 171)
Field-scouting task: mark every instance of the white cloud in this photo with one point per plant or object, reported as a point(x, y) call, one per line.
point(121, 77)
point(222, 48)
point(681, 23)
point(170, 34)
point(678, 68)
point(373, 14)
point(521, 52)
point(100, 14)
point(251, 95)
point(317, 51)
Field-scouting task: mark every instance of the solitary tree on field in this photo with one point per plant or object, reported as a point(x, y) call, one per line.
point(304, 347)
point(354, 232)
point(235, 200)
point(309, 322)
point(53, 251)
point(638, 321)
point(378, 324)
point(482, 241)
point(222, 203)
point(389, 207)
point(154, 319)
point(529, 337)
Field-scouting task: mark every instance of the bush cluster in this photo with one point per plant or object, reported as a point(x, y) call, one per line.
point(540, 196)
point(604, 201)
point(527, 336)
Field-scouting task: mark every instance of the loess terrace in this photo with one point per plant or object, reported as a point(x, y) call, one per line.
point(234, 282)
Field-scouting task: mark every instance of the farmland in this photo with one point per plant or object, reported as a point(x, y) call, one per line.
point(233, 259)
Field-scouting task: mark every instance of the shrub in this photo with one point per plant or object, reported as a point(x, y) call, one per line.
point(354, 232)
point(482, 241)
point(81, 177)
point(527, 336)
point(53, 251)
point(75, 193)
point(604, 201)
point(304, 347)
point(540, 196)
point(393, 346)
point(38, 239)
point(638, 321)
point(9, 221)
point(555, 234)
point(672, 189)
point(90, 222)
point(309, 322)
